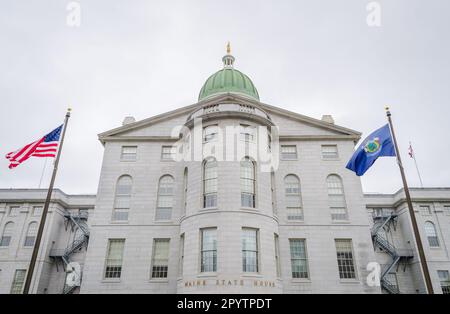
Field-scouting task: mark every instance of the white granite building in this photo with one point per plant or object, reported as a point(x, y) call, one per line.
point(228, 195)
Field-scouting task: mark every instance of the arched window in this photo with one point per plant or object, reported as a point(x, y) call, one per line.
point(336, 198)
point(31, 234)
point(209, 183)
point(430, 231)
point(247, 183)
point(7, 234)
point(165, 198)
point(122, 198)
point(293, 197)
point(185, 191)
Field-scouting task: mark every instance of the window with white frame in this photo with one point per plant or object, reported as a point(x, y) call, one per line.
point(329, 152)
point(277, 253)
point(444, 279)
point(208, 254)
point(346, 264)
point(30, 237)
point(129, 153)
point(248, 183)
point(37, 210)
point(209, 183)
point(122, 198)
point(160, 258)
point(181, 260)
point(7, 234)
point(165, 198)
point(13, 211)
point(114, 258)
point(210, 133)
point(299, 259)
point(18, 281)
point(250, 253)
point(168, 153)
point(289, 152)
point(336, 198)
point(447, 209)
point(293, 197)
point(247, 133)
point(425, 210)
point(430, 232)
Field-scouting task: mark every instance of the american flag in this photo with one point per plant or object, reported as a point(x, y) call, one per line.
point(43, 147)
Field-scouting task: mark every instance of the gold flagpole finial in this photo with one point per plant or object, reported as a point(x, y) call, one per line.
point(228, 48)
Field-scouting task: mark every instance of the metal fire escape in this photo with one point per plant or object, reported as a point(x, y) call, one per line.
point(76, 222)
point(383, 222)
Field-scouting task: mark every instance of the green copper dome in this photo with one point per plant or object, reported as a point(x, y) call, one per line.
point(228, 80)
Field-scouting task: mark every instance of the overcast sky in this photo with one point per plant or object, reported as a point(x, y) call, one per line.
point(142, 58)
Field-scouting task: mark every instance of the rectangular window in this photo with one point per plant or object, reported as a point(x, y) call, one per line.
point(37, 210)
point(277, 254)
point(288, 152)
point(168, 153)
point(5, 240)
point(210, 133)
point(250, 258)
point(247, 133)
point(19, 279)
point(425, 210)
point(129, 153)
point(114, 258)
point(447, 209)
point(329, 152)
point(344, 252)
point(209, 250)
point(444, 279)
point(14, 211)
point(299, 260)
point(160, 258)
point(181, 262)
point(29, 241)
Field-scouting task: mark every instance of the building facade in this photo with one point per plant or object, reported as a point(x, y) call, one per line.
point(228, 195)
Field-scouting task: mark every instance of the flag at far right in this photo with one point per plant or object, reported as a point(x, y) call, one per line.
point(379, 143)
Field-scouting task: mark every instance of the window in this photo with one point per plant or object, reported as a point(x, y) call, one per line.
point(185, 191)
point(336, 198)
point(128, 153)
point(293, 197)
point(18, 281)
point(7, 234)
point(209, 250)
point(277, 254)
point(274, 192)
point(247, 133)
point(30, 238)
point(168, 153)
point(425, 210)
point(160, 258)
point(122, 198)
point(114, 258)
point(14, 211)
point(299, 260)
point(430, 231)
point(181, 261)
point(345, 261)
point(210, 183)
point(444, 278)
point(447, 209)
point(250, 258)
point(37, 210)
point(247, 183)
point(210, 133)
point(329, 152)
point(288, 152)
point(165, 198)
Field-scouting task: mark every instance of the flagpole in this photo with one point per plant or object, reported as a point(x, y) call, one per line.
point(422, 258)
point(26, 288)
point(415, 162)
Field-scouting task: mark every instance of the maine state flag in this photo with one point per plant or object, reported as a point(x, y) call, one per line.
point(377, 144)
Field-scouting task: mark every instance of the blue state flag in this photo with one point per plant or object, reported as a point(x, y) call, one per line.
point(379, 143)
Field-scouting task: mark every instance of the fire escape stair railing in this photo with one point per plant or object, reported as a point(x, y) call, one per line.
point(78, 220)
point(395, 254)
